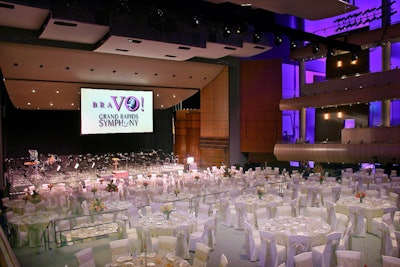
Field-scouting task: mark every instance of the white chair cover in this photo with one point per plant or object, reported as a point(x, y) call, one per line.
point(252, 242)
point(331, 213)
point(201, 255)
point(206, 236)
point(388, 261)
point(167, 245)
point(358, 220)
point(389, 246)
point(341, 222)
point(348, 258)
point(271, 209)
point(261, 217)
point(241, 214)
point(271, 254)
point(303, 260)
point(324, 255)
point(296, 244)
point(312, 196)
point(228, 213)
point(223, 262)
point(85, 258)
point(345, 241)
point(182, 246)
point(121, 247)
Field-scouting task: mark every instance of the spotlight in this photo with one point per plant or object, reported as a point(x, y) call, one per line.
point(330, 53)
point(293, 45)
point(256, 37)
point(226, 31)
point(278, 39)
point(315, 48)
point(354, 56)
point(195, 21)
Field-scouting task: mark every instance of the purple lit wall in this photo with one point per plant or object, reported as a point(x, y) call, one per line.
point(310, 125)
point(395, 113)
point(290, 89)
point(375, 118)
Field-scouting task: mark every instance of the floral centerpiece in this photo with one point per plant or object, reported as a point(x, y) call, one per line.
point(361, 195)
point(33, 197)
point(176, 191)
point(111, 187)
point(260, 192)
point(197, 178)
point(321, 179)
point(227, 173)
point(145, 184)
point(319, 169)
point(97, 205)
point(101, 180)
point(94, 190)
point(50, 186)
point(166, 209)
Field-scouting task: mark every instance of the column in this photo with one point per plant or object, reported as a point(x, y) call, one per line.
point(303, 111)
point(386, 54)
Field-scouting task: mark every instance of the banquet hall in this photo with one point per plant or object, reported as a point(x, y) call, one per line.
point(165, 127)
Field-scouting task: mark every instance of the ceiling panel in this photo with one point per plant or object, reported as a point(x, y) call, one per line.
point(23, 17)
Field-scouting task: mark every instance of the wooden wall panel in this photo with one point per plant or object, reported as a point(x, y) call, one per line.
point(260, 93)
point(214, 103)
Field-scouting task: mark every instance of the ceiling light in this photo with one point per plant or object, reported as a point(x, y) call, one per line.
point(256, 37)
point(278, 39)
point(315, 48)
point(293, 45)
point(195, 21)
point(226, 31)
point(330, 53)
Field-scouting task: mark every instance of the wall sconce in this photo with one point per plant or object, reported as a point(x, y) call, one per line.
point(326, 116)
point(339, 63)
point(353, 62)
point(340, 114)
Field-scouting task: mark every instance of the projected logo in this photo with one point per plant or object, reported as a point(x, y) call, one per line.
point(111, 111)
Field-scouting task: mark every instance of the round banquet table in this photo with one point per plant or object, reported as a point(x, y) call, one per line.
point(157, 225)
point(151, 259)
point(253, 202)
point(34, 224)
point(284, 226)
point(373, 206)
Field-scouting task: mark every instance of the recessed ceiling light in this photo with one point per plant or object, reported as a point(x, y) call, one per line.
point(51, 104)
point(72, 104)
point(57, 91)
point(29, 103)
point(173, 95)
point(158, 95)
point(33, 91)
point(162, 106)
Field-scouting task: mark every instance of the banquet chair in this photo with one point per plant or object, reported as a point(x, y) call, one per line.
point(271, 209)
point(203, 211)
point(228, 213)
point(121, 247)
point(182, 246)
point(288, 195)
point(304, 260)
point(252, 242)
point(313, 196)
point(346, 191)
point(155, 206)
point(316, 212)
point(330, 213)
point(388, 215)
point(296, 244)
point(336, 193)
point(223, 261)
point(324, 255)
point(348, 258)
point(182, 207)
point(389, 244)
point(201, 255)
point(261, 217)
point(358, 220)
point(85, 258)
point(341, 222)
point(206, 236)
point(345, 240)
point(241, 212)
point(388, 261)
point(147, 242)
point(133, 215)
point(271, 254)
point(167, 245)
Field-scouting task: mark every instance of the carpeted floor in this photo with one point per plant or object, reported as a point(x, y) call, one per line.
point(228, 241)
